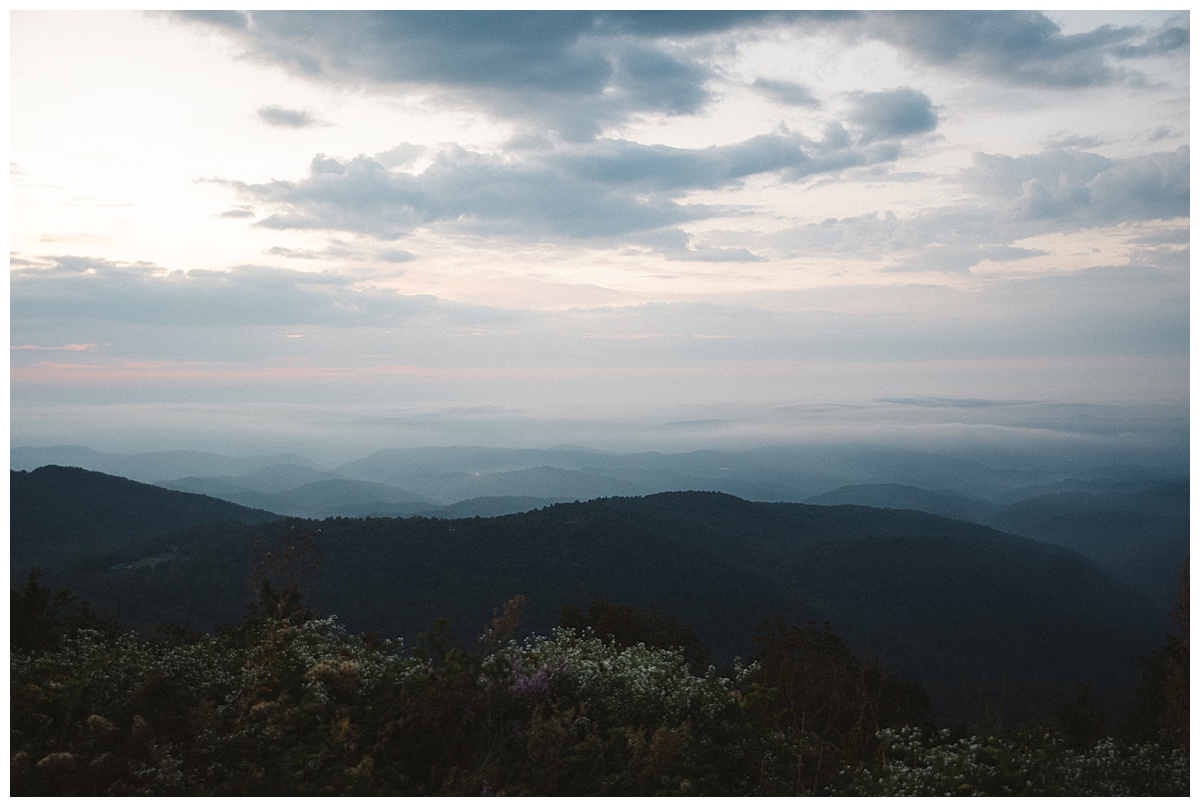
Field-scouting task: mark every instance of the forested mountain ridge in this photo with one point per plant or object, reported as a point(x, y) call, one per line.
point(778, 473)
point(906, 497)
point(1138, 530)
point(149, 467)
point(950, 603)
point(59, 514)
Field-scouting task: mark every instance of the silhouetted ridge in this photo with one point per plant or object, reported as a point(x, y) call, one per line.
point(949, 603)
point(57, 510)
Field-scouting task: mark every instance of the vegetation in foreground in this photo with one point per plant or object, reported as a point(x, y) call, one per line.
point(286, 704)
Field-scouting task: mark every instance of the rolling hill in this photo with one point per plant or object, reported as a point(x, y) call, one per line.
point(907, 497)
point(958, 606)
point(59, 514)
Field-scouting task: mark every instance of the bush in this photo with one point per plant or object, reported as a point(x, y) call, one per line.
point(276, 707)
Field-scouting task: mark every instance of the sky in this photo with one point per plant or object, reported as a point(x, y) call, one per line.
point(336, 232)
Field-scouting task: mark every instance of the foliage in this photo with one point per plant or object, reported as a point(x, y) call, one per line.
point(1164, 696)
point(822, 692)
point(627, 626)
point(282, 706)
point(941, 601)
point(39, 616)
point(1032, 763)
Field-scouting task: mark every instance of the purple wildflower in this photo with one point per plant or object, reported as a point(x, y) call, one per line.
point(535, 685)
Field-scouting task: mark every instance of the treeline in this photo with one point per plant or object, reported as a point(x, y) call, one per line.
point(616, 701)
point(947, 603)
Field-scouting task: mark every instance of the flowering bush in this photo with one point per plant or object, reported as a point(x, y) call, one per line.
point(1032, 764)
point(276, 707)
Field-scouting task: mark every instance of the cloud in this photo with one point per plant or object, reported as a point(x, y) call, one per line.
point(1021, 48)
point(284, 118)
point(395, 256)
point(1066, 140)
point(1117, 310)
point(608, 190)
point(88, 290)
point(79, 348)
point(1014, 198)
point(401, 155)
point(234, 20)
point(460, 190)
point(961, 258)
point(893, 114)
point(703, 252)
point(570, 72)
point(676, 245)
point(1160, 133)
point(299, 254)
point(1168, 39)
point(1083, 188)
point(786, 92)
point(1154, 186)
point(953, 403)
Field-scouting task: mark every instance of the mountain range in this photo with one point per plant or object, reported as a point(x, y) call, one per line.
point(1133, 520)
point(961, 607)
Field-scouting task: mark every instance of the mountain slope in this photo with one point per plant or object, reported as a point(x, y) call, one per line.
point(956, 605)
point(907, 497)
point(320, 499)
point(148, 467)
point(60, 513)
point(1141, 536)
point(271, 479)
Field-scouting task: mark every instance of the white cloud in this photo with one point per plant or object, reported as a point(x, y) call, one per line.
point(776, 206)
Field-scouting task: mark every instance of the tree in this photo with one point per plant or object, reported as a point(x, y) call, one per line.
point(280, 577)
point(820, 691)
point(1164, 698)
point(626, 626)
point(39, 617)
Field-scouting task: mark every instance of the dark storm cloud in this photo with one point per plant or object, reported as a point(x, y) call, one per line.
point(893, 114)
point(89, 289)
point(786, 92)
point(608, 189)
point(286, 118)
point(1022, 48)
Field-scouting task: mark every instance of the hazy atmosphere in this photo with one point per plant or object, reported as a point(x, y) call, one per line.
point(330, 233)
